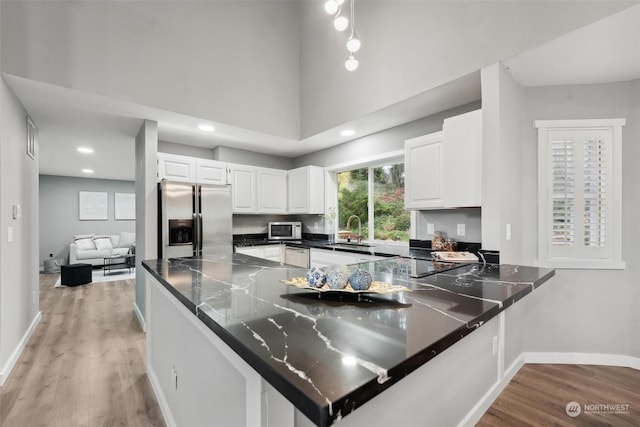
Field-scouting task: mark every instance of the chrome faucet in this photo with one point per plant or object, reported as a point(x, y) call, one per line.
point(359, 236)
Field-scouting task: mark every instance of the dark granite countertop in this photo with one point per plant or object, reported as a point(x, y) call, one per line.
point(329, 354)
point(415, 249)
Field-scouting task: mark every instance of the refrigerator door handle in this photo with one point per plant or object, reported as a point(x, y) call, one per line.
point(196, 233)
point(200, 234)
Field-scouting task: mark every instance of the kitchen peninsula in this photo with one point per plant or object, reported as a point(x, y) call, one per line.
point(229, 344)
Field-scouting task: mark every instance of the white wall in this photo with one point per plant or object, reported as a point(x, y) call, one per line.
point(146, 208)
point(381, 142)
point(502, 99)
point(245, 157)
point(447, 220)
point(590, 311)
point(58, 197)
point(410, 47)
point(236, 62)
point(19, 287)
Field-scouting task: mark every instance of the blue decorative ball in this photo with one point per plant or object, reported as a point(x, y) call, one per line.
point(337, 279)
point(360, 280)
point(317, 277)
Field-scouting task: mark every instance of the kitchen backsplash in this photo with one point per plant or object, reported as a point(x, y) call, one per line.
point(255, 224)
point(447, 220)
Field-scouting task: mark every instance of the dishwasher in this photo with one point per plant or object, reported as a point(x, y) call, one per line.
point(296, 256)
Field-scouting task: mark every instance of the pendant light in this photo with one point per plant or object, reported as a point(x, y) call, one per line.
point(353, 44)
point(331, 6)
point(351, 63)
point(341, 22)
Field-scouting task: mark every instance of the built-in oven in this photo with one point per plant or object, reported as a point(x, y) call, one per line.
point(180, 232)
point(285, 230)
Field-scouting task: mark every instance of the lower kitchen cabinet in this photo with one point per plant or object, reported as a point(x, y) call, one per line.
point(270, 252)
point(327, 257)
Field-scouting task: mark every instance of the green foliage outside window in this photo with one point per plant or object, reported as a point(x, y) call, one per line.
point(391, 221)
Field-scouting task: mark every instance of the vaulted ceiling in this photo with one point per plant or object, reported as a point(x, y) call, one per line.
point(269, 74)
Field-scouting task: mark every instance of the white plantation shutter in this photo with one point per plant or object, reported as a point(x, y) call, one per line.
point(579, 193)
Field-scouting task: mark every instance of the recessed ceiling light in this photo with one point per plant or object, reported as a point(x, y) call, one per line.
point(87, 170)
point(206, 127)
point(85, 150)
point(347, 132)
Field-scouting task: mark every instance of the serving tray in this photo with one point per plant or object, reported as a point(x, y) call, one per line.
point(376, 287)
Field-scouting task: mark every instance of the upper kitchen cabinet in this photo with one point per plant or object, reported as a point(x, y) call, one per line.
point(463, 154)
point(444, 169)
point(174, 167)
point(306, 190)
point(423, 163)
point(272, 191)
point(211, 172)
point(243, 188)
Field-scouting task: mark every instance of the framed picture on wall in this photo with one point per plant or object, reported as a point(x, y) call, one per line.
point(125, 206)
point(93, 206)
point(31, 138)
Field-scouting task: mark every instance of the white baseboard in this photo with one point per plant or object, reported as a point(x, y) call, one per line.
point(140, 317)
point(584, 359)
point(11, 363)
point(162, 401)
point(492, 394)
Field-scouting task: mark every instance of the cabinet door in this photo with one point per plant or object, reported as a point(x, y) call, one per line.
point(273, 253)
point(211, 172)
point(423, 163)
point(243, 188)
point(306, 190)
point(254, 251)
point(325, 257)
point(176, 168)
point(272, 191)
point(462, 136)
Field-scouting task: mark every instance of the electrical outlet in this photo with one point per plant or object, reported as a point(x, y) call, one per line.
point(431, 228)
point(461, 229)
point(495, 345)
point(33, 297)
point(507, 234)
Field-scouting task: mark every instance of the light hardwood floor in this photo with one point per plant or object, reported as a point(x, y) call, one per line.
point(84, 364)
point(538, 395)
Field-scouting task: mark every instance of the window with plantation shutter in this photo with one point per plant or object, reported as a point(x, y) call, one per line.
point(579, 193)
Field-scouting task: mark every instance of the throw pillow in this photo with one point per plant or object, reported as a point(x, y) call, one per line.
point(85, 244)
point(127, 239)
point(120, 251)
point(102, 243)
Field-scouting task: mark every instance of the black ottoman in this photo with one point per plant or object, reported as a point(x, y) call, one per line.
point(75, 274)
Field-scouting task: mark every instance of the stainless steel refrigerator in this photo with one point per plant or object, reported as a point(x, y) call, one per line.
point(193, 219)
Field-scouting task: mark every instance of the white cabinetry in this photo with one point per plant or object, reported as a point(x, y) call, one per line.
point(270, 252)
point(211, 172)
point(327, 257)
point(176, 168)
point(272, 190)
point(423, 172)
point(243, 188)
point(463, 151)
point(306, 190)
point(444, 169)
point(191, 169)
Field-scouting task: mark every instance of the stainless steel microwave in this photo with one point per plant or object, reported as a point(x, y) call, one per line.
point(285, 230)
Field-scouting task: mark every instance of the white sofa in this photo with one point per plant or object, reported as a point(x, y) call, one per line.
point(93, 249)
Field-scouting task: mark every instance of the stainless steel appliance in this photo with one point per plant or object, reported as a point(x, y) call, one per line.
point(193, 219)
point(296, 256)
point(285, 230)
